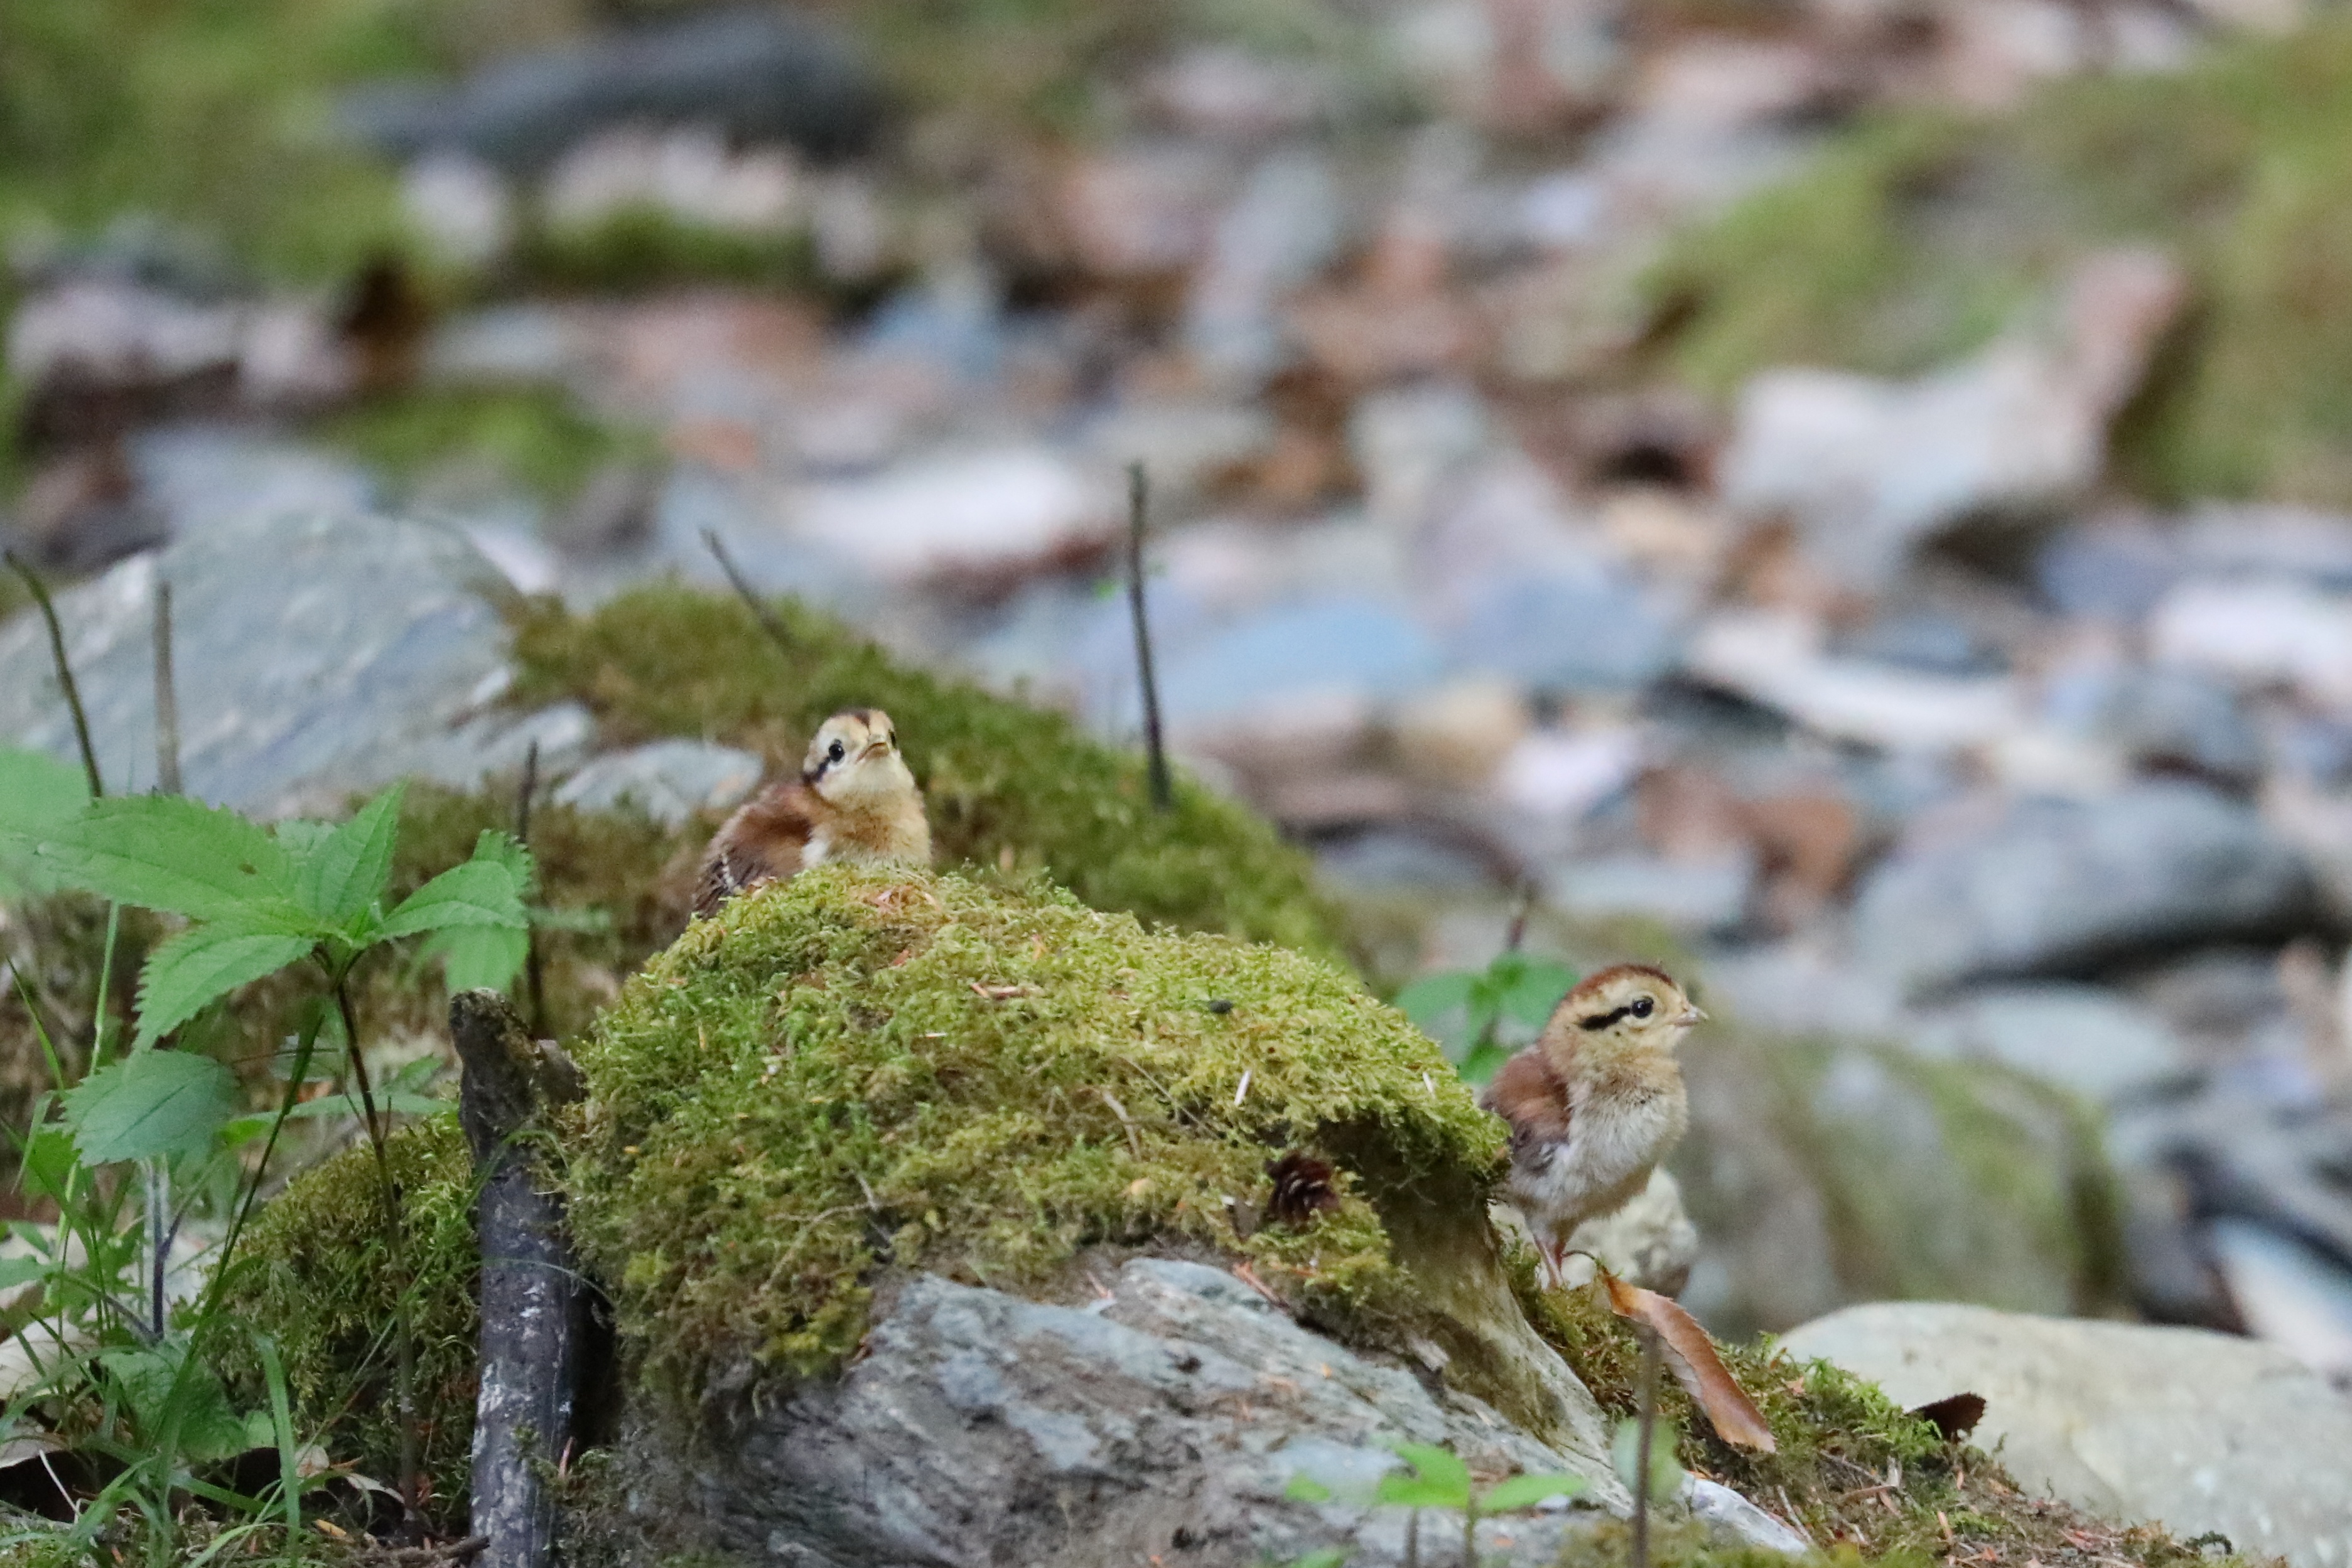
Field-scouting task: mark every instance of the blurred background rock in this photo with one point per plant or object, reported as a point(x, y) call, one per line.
point(1850, 497)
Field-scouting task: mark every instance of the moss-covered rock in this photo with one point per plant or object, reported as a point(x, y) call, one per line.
point(1010, 788)
point(1917, 236)
point(855, 1070)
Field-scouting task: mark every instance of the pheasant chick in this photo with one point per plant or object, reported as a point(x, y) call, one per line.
point(1595, 1103)
point(855, 800)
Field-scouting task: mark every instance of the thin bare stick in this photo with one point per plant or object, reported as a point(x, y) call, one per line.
point(760, 610)
point(167, 698)
point(534, 978)
point(1139, 499)
point(64, 668)
point(1646, 1433)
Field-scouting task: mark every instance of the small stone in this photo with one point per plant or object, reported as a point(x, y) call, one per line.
point(1456, 736)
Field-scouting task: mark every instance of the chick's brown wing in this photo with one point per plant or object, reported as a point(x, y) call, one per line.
point(1531, 1095)
point(765, 840)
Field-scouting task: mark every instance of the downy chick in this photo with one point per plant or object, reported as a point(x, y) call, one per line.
point(854, 801)
point(1595, 1103)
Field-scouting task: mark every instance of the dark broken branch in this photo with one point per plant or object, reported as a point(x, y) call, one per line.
point(534, 1306)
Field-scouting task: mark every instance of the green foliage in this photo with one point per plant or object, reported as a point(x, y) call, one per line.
point(1463, 1010)
point(1918, 234)
point(214, 117)
point(148, 1106)
point(1625, 1456)
point(1008, 786)
point(38, 793)
point(535, 437)
point(1432, 1477)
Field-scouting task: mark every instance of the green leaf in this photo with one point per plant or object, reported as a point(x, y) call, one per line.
point(1427, 1001)
point(1526, 1491)
point(347, 1105)
point(1665, 1470)
point(170, 852)
point(1531, 993)
point(488, 957)
point(478, 892)
point(164, 1391)
point(1439, 1480)
point(37, 794)
point(1479, 1064)
point(1329, 1557)
point(201, 963)
point(340, 873)
point(1307, 1489)
point(148, 1103)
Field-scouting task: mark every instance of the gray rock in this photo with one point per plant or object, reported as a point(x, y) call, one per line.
point(1287, 225)
point(1325, 645)
point(1824, 1173)
point(1561, 631)
point(1869, 469)
point(318, 655)
point(2100, 1045)
point(2199, 1430)
point(1166, 1417)
point(1695, 896)
point(2050, 884)
point(760, 75)
point(669, 780)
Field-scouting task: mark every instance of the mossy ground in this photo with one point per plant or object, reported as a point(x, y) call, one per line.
point(1919, 234)
point(1008, 787)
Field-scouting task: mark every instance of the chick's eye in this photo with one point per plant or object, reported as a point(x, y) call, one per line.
point(837, 751)
point(1644, 1008)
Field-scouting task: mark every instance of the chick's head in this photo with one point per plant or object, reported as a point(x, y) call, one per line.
point(854, 760)
point(1630, 1007)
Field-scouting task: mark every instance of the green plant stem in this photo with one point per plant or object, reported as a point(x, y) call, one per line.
point(534, 978)
point(1470, 1532)
point(404, 1347)
point(303, 1047)
point(40, 593)
point(1646, 1415)
point(1412, 1539)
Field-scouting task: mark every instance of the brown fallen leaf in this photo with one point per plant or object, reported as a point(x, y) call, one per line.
point(1691, 1357)
point(1954, 1415)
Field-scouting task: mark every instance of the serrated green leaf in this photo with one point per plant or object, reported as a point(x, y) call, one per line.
point(166, 1391)
point(1526, 1491)
point(477, 892)
point(504, 849)
point(148, 1103)
point(201, 963)
point(170, 852)
point(340, 873)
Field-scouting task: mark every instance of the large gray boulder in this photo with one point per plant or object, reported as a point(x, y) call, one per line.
point(2047, 886)
point(1166, 1418)
point(317, 654)
point(2199, 1430)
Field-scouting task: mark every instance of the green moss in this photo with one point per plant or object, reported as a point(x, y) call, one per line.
point(1917, 236)
point(1008, 786)
point(643, 248)
point(314, 1274)
point(535, 437)
point(852, 1069)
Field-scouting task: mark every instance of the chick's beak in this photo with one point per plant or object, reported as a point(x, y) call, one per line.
point(876, 749)
point(1691, 1014)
